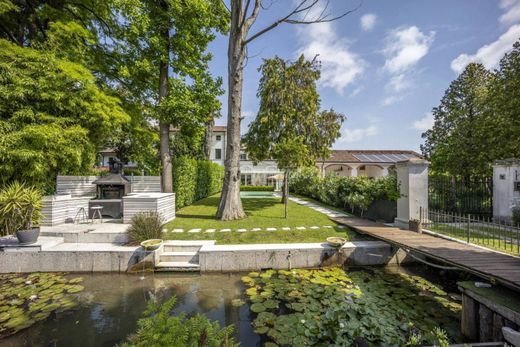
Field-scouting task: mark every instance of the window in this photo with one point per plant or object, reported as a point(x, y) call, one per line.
point(218, 153)
point(218, 138)
point(243, 156)
point(245, 179)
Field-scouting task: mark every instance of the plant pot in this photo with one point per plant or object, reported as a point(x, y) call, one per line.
point(336, 241)
point(26, 237)
point(415, 225)
point(151, 245)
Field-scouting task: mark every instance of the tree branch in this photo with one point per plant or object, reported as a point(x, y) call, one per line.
point(303, 6)
point(254, 14)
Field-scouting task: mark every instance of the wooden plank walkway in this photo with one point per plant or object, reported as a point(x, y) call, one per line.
point(481, 262)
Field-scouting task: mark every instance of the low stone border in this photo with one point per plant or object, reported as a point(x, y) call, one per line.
point(243, 230)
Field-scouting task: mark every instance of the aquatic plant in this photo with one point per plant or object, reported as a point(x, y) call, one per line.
point(331, 307)
point(158, 327)
point(27, 299)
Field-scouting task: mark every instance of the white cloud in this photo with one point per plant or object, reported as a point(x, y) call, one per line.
point(512, 14)
point(424, 123)
point(489, 55)
point(339, 65)
point(392, 99)
point(368, 21)
point(355, 135)
point(405, 47)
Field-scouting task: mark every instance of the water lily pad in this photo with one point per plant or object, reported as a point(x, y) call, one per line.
point(237, 302)
point(258, 307)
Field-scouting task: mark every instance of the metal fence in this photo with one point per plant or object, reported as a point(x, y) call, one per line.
point(463, 196)
point(473, 229)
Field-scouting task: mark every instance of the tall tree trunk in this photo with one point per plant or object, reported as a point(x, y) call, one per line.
point(230, 206)
point(206, 147)
point(164, 127)
point(285, 196)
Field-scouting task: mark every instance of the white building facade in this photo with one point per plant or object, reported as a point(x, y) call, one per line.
point(371, 163)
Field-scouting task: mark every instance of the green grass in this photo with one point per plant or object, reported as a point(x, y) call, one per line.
point(484, 239)
point(261, 213)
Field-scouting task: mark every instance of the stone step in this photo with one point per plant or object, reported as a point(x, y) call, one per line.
point(89, 236)
point(177, 266)
point(178, 248)
point(192, 257)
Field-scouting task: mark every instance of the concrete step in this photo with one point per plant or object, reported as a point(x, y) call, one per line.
point(88, 236)
point(177, 266)
point(180, 248)
point(192, 257)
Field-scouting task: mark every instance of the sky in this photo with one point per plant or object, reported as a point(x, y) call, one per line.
point(384, 66)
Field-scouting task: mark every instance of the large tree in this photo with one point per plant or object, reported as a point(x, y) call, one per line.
point(457, 142)
point(244, 14)
point(289, 127)
point(53, 116)
point(162, 49)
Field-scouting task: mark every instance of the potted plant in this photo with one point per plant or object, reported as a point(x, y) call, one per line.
point(20, 214)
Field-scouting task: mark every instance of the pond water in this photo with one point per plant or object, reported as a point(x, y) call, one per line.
point(111, 304)
point(248, 194)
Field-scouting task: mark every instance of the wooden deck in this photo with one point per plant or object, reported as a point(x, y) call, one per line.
point(481, 262)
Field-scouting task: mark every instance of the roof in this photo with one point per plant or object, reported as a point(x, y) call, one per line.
point(371, 156)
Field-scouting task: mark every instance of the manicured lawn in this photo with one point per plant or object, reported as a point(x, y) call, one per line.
point(262, 213)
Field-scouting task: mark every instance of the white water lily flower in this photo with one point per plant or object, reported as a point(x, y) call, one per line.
point(303, 321)
point(33, 297)
point(341, 325)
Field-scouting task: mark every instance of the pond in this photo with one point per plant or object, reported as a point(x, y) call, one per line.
point(253, 194)
point(111, 304)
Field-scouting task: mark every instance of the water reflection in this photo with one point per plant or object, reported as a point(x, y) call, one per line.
point(112, 304)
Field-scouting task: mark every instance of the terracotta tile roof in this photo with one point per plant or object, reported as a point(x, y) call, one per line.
point(366, 156)
point(220, 128)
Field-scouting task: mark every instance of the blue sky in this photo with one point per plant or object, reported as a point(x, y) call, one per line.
point(386, 65)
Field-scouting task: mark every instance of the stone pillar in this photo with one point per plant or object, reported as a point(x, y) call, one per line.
point(506, 188)
point(412, 176)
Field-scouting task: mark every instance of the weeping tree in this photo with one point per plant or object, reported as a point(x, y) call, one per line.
point(289, 126)
point(244, 14)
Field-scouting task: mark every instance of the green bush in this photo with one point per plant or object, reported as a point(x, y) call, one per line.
point(195, 179)
point(516, 215)
point(158, 327)
point(356, 193)
point(145, 226)
point(20, 207)
point(257, 188)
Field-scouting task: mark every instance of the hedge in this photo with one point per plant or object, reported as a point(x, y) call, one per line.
point(257, 188)
point(195, 179)
point(341, 191)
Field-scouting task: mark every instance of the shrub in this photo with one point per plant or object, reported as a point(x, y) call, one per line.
point(516, 215)
point(256, 188)
point(195, 179)
point(20, 207)
point(145, 226)
point(158, 327)
point(356, 193)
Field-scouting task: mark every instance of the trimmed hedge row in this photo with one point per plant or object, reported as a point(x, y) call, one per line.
point(257, 188)
point(195, 179)
point(356, 193)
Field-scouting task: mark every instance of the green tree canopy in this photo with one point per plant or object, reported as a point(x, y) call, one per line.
point(289, 127)
point(53, 116)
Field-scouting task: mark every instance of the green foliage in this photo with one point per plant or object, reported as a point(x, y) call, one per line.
point(20, 207)
point(515, 212)
point(195, 179)
point(145, 226)
point(289, 126)
point(53, 116)
point(27, 299)
point(158, 327)
point(257, 188)
point(476, 120)
point(330, 307)
point(341, 191)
